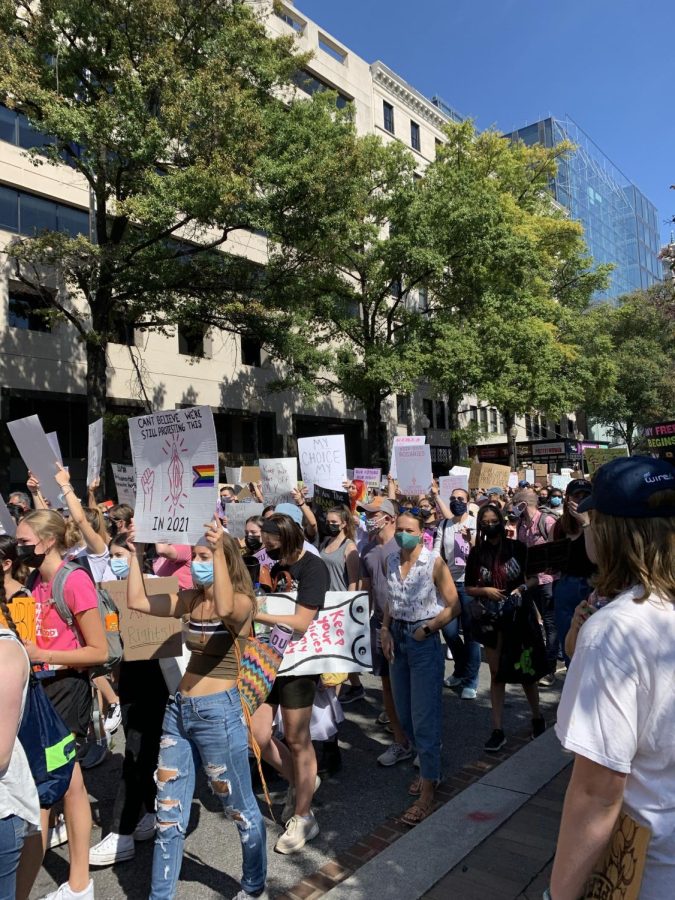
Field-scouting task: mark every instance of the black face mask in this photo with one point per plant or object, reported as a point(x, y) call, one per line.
point(491, 530)
point(332, 528)
point(252, 543)
point(28, 556)
point(274, 553)
point(425, 514)
point(458, 507)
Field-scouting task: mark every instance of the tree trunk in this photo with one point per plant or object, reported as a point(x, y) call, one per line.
point(409, 421)
point(509, 422)
point(453, 424)
point(377, 451)
point(97, 397)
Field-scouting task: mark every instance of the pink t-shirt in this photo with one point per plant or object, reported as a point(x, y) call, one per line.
point(51, 632)
point(180, 566)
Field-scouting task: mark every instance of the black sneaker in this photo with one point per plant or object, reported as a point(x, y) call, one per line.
point(330, 759)
point(351, 694)
point(538, 727)
point(496, 742)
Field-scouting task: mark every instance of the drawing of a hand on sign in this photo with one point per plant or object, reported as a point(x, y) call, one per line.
point(148, 485)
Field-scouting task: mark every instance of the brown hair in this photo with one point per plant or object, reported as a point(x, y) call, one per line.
point(411, 515)
point(345, 518)
point(239, 574)
point(634, 551)
point(121, 511)
point(8, 551)
point(5, 610)
point(46, 523)
point(290, 534)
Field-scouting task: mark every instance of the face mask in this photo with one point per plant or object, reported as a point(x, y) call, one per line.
point(425, 513)
point(556, 501)
point(253, 543)
point(274, 553)
point(406, 541)
point(202, 573)
point(28, 556)
point(515, 514)
point(333, 528)
point(458, 507)
point(374, 525)
point(491, 530)
point(120, 567)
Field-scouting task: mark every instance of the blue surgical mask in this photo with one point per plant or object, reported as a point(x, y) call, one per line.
point(556, 501)
point(202, 573)
point(120, 567)
point(407, 541)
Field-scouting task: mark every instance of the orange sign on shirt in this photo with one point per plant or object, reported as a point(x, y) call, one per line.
point(22, 610)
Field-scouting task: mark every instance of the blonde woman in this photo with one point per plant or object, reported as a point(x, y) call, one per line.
point(617, 712)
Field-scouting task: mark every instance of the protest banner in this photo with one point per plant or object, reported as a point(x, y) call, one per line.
point(596, 456)
point(233, 475)
point(176, 460)
point(323, 460)
point(401, 440)
point(36, 451)
point(560, 482)
point(413, 465)
point(7, 523)
point(94, 451)
point(145, 636)
point(486, 475)
point(53, 439)
point(541, 472)
point(449, 483)
point(279, 477)
point(660, 440)
point(338, 640)
point(250, 474)
point(22, 611)
point(238, 514)
point(371, 477)
point(125, 483)
point(326, 498)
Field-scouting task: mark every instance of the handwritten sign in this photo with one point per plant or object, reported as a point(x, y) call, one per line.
point(449, 483)
point(403, 440)
point(176, 461)
point(37, 453)
point(371, 477)
point(541, 472)
point(22, 611)
point(596, 456)
point(94, 451)
point(660, 440)
point(53, 439)
point(513, 479)
point(325, 498)
point(529, 476)
point(560, 482)
point(238, 514)
point(7, 523)
point(486, 475)
point(279, 477)
point(145, 636)
point(338, 640)
point(413, 465)
point(125, 482)
point(323, 461)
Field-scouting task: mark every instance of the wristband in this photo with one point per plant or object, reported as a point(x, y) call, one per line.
point(65, 488)
point(300, 505)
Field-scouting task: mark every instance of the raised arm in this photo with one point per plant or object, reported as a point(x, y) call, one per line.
point(93, 540)
point(91, 493)
point(33, 486)
point(165, 605)
point(233, 608)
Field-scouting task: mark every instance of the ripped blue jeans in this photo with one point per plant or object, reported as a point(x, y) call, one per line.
point(208, 730)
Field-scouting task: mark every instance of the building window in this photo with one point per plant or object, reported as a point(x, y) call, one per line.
point(122, 331)
point(428, 411)
point(415, 142)
point(332, 49)
point(24, 312)
point(191, 340)
point(310, 84)
point(494, 423)
point(401, 409)
point(28, 214)
point(473, 414)
point(484, 418)
point(440, 414)
point(528, 425)
point(290, 19)
point(388, 111)
point(250, 351)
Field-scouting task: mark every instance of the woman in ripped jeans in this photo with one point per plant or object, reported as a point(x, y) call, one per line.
point(204, 719)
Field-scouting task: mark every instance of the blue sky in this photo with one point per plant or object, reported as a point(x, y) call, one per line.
point(610, 64)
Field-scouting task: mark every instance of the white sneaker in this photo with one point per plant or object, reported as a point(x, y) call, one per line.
point(289, 803)
point(65, 893)
point(58, 834)
point(469, 693)
point(113, 718)
point(145, 830)
point(299, 830)
point(114, 848)
point(395, 753)
point(242, 895)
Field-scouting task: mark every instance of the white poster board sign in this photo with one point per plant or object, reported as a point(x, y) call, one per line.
point(513, 480)
point(279, 477)
point(338, 640)
point(461, 470)
point(125, 482)
point(233, 474)
point(413, 465)
point(95, 451)
point(7, 523)
point(323, 461)
point(449, 483)
point(176, 460)
point(560, 481)
point(371, 477)
point(402, 440)
point(53, 439)
point(37, 453)
point(237, 515)
point(529, 476)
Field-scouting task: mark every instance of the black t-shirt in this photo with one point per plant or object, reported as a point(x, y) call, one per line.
point(501, 565)
point(308, 576)
point(578, 564)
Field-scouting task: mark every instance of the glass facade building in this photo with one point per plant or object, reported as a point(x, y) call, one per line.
point(620, 224)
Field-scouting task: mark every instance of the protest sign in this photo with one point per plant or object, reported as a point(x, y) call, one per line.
point(22, 611)
point(371, 477)
point(560, 482)
point(513, 479)
point(323, 461)
point(413, 467)
point(95, 451)
point(233, 475)
point(540, 472)
point(7, 523)
point(402, 440)
point(486, 475)
point(279, 477)
point(238, 514)
point(565, 471)
point(325, 498)
point(125, 482)
point(449, 483)
point(338, 640)
point(145, 636)
point(660, 440)
point(176, 461)
point(596, 456)
point(460, 470)
point(53, 439)
point(37, 453)
point(250, 474)
point(530, 476)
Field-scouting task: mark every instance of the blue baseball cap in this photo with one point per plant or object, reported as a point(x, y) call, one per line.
point(523, 483)
point(625, 487)
point(291, 510)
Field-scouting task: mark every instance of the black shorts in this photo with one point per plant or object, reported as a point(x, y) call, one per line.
point(72, 699)
point(293, 691)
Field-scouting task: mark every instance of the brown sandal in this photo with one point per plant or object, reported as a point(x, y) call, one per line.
point(417, 813)
point(415, 788)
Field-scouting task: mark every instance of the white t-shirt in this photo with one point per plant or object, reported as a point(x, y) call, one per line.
point(99, 563)
point(455, 550)
point(618, 709)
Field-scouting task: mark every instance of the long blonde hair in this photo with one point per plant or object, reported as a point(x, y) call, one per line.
point(48, 524)
point(634, 551)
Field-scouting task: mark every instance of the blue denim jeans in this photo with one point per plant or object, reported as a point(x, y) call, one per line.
point(417, 684)
point(466, 652)
point(568, 592)
point(210, 730)
point(12, 833)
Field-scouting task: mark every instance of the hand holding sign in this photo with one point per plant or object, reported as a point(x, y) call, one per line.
point(213, 533)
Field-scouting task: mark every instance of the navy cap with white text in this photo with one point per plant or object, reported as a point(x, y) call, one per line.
point(627, 486)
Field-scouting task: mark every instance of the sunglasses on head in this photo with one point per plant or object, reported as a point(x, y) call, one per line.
point(414, 510)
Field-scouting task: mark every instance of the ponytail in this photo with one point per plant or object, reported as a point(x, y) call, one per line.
point(5, 610)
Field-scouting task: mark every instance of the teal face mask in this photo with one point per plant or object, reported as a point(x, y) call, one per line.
point(407, 541)
point(202, 573)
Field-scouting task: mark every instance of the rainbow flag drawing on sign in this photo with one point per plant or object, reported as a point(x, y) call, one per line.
point(204, 476)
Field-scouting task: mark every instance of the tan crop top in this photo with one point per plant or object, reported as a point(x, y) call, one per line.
point(212, 649)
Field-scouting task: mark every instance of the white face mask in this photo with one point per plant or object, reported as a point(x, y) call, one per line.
point(374, 525)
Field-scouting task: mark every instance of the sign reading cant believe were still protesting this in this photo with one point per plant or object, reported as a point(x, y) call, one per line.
point(660, 440)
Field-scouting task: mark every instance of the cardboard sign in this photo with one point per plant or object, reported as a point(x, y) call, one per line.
point(486, 475)
point(660, 440)
point(22, 611)
point(250, 474)
point(53, 439)
point(279, 477)
point(326, 499)
point(413, 465)
point(145, 636)
point(371, 477)
point(596, 456)
point(338, 640)
point(403, 440)
point(125, 483)
point(540, 472)
point(7, 523)
point(95, 451)
point(323, 460)
point(238, 514)
point(37, 453)
point(550, 556)
point(176, 461)
point(449, 483)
